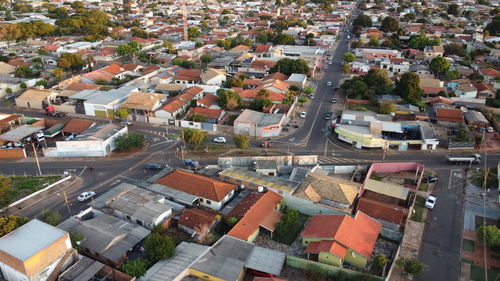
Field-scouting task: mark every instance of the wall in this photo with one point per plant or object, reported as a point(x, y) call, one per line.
point(17, 88)
point(204, 277)
point(359, 102)
point(356, 260)
point(17, 153)
point(328, 258)
point(110, 142)
point(116, 274)
point(308, 207)
point(297, 160)
point(76, 149)
point(64, 108)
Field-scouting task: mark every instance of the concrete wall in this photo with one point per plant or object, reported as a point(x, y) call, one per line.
point(64, 108)
point(298, 160)
point(308, 207)
point(17, 153)
point(17, 87)
point(328, 258)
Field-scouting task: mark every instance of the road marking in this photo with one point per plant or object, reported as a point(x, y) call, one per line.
point(82, 171)
point(153, 145)
point(454, 173)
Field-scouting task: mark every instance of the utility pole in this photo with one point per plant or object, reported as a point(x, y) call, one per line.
point(36, 158)
point(66, 202)
point(326, 147)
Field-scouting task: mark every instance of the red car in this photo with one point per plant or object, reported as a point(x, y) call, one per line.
point(259, 273)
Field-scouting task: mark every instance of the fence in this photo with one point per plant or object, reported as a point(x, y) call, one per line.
point(330, 270)
point(17, 87)
point(297, 160)
point(359, 102)
point(16, 153)
point(308, 207)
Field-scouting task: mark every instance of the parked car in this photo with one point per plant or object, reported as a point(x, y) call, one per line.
point(303, 114)
point(431, 201)
point(153, 166)
point(490, 130)
point(328, 116)
point(326, 69)
point(311, 96)
point(430, 180)
point(334, 100)
point(328, 83)
point(126, 122)
point(70, 137)
point(85, 196)
point(220, 139)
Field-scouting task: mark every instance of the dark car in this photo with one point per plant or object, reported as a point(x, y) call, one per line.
point(153, 166)
point(430, 180)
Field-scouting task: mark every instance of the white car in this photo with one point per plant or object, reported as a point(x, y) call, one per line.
point(311, 96)
point(220, 140)
point(490, 130)
point(85, 196)
point(330, 62)
point(431, 201)
point(303, 114)
point(328, 83)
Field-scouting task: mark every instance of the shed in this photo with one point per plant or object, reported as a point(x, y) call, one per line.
point(476, 118)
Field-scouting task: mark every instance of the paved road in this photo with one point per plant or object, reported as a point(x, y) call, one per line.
point(441, 245)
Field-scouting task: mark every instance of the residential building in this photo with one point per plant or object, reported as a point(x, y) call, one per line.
point(346, 240)
point(432, 52)
point(211, 193)
point(214, 77)
point(449, 116)
point(476, 118)
point(298, 80)
point(102, 103)
point(212, 115)
point(490, 74)
point(106, 238)
point(371, 53)
point(142, 105)
point(36, 99)
point(89, 269)
point(188, 76)
point(35, 251)
point(258, 124)
point(179, 103)
point(194, 220)
point(208, 101)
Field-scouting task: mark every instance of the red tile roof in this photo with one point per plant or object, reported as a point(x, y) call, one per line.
point(489, 72)
point(194, 218)
point(359, 233)
point(327, 246)
point(450, 115)
point(209, 113)
point(114, 69)
point(276, 75)
point(208, 100)
point(252, 94)
point(252, 82)
point(188, 74)
point(197, 185)
point(242, 208)
point(76, 126)
point(77, 86)
point(262, 48)
point(258, 215)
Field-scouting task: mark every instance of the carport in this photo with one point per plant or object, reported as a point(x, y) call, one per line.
point(20, 133)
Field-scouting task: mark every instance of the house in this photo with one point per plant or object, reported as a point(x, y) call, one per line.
point(261, 216)
point(476, 118)
point(208, 101)
point(258, 124)
point(214, 77)
point(6, 68)
point(138, 205)
point(35, 251)
point(297, 80)
point(432, 52)
point(89, 269)
point(142, 105)
point(213, 116)
point(76, 126)
point(346, 239)
point(449, 116)
point(484, 90)
point(9, 121)
point(211, 193)
point(490, 74)
point(106, 238)
point(37, 99)
point(250, 95)
point(179, 103)
point(194, 220)
point(230, 257)
point(275, 86)
point(188, 76)
point(395, 65)
point(329, 191)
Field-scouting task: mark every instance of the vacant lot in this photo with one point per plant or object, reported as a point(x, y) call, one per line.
point(24, 186)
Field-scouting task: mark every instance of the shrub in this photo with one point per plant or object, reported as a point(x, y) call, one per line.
point(50, 217)
point(488, 235)
point(23, 85)
point(241, 141)
point(159, 247)
point(135, 268)
point(129, 141)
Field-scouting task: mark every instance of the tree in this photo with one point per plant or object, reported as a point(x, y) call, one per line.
point(42, 82)
point(408, 88)
point(263, 94)
point(235, 82)
point(121, 113)
point(284, 39)
point(362, 21)
point(76, 239)
point(206, 59)
point(413, 266)
point(135, 268)
point(71, 62)
point(129, 141)
point(380, 260)
point(131, 48)
point(50, 217)
point(10, 223)
point(258, 104)
point(5, 189)
point(262, 38)
point(194, 137)
point(308, 91)
point(193, 32)
point(302, 100)
point(241, 141)
point(24, 71)
point(10, 32)
point(8, 91)
point(493, 27)
point(158, 247)
point(203, 234)
point(183, 63)
point(349, 57)
point(198, 117)
point(389, 24)
point(169, 47)
point(58, 74)
point(378, 78)
point(387, 108)
point(453, 9)
point(288, 66)
point(455, 49)
point(452, 75)
point(228, 99)
point(488, 235)
point(440, 65)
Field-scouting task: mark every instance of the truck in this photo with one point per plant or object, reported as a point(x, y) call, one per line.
point(50, 111)
point(470, 159)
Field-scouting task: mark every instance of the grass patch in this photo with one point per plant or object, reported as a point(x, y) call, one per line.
point(358, 107)
point(477, 273)
point(423, 187)
point(418, 209)
point(376, 177)
point(24, 186)
point(293, 230)
point(172, 136)
point(466, 260)
point(409, 182)
point(468, 245)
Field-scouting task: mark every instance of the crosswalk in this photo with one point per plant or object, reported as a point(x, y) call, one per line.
point(341, 160)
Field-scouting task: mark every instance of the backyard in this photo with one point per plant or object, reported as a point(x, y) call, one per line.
point(291, 229)
point(418, 209)
point(24, 186)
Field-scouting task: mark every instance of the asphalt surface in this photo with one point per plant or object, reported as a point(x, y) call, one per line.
point(442, 241)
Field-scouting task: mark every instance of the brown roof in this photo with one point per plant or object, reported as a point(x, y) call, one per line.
point(196, 184)
point(143, 101)
point(188, 74)
point(208, 100)
point(193, 218)
point(450, 115)
point(77, 86)
point(207, 112)
point(242, 208)
point(381, 210)
point(76, 126)
point(276, 75)
point(489, 72)
point(262, 213)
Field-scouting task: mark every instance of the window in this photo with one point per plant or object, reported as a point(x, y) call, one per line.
point(139, 222)
point(209, 202)
point(128, 217)
point(201, 199)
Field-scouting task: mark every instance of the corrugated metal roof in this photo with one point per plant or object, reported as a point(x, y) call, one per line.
point(387, 188)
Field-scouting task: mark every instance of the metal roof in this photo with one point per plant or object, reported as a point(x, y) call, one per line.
point(387, 188)
point(20, 132)
point(82, 270)
point(29, 239)
point(266, 260)
point(169, 192)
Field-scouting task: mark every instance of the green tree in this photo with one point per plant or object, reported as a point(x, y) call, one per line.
point(193, 32)
point(262, 38)
point(51, 217)
point(129, 141)
point(121, 113)
point(24, 71)
point(8, 91)
point(452, 75)
point(228, 99)
point(349, 57)
point(302, 100)
point(453, 9)
point(206, 59)
point(71, 62)
point(135, 268)
point(241, 141)
point(76, 239)
point(42, 82)
point(198, 117)
point(380, 260)
point(259, 104)
point(263, 94)
point(10, 223)
point(284, 39)
point(235, 82)
point(308, 91)
point(5, 189)
point(183, 63)
point(58, 74)
point(387, 108)
point(288, 66)
point(169, 47)
point(408, 88)
point(378, 78)
point(362, 21)
point(158, 247)
point(413, 266)
point(494, 26)
point(389, 24)
point(23, 85)
point(194, 137)
point(439, 65)
point(488, 235)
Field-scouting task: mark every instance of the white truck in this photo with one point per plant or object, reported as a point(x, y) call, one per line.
point(471, 159)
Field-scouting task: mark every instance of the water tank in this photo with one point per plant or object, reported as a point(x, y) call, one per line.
point(260, 188)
